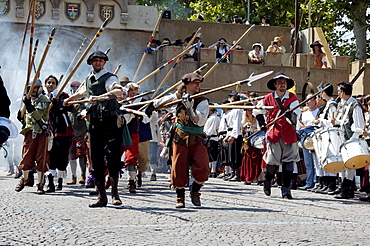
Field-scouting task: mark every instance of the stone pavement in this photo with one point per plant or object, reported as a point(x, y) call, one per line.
point(231, 214)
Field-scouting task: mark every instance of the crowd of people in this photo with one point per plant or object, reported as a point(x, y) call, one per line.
point(307, 144)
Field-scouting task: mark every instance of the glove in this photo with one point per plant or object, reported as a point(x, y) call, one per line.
point(261, 121)
point(4, 134)
point(27, 102)
point(189, 103)
point(291, 117)
point(149, 110)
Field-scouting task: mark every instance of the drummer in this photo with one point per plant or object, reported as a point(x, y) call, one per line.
point(325, 182)
point(350, 119)
point(310, 159)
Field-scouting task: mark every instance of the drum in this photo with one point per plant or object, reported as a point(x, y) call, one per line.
point(305, 135)
point(355, 153)
point(331, 159)
point(257, 140)
point(316, 141)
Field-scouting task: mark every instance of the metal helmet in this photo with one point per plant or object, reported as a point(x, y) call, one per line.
point(75, 83)
point(97, 54)
point(38, 83)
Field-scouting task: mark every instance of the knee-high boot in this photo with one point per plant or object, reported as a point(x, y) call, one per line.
point(102, 198)
point(51, 186)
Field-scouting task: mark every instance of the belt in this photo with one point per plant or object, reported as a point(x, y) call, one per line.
point(229, 129)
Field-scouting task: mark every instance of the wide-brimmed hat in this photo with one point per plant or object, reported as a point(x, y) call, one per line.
point(189, 77)
point(124, 79)
point(277, 39)
point(316, 43)
point(280, 75)
point(257, 44)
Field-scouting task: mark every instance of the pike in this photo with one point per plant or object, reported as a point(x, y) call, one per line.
point(237, 83)
point(133, 111)
point(166, 64)
point(32, 32)
point(137, 96)
point(73, 59)
point(246, 100)
point(289, 110)
point(30, 12)
point(229, 51)
point(148, 45)
point(197, 71)
point(242, 107)
point(37, 74)
point(93, 41)
point(175, 64)
point(32, 61)
point(117, 68)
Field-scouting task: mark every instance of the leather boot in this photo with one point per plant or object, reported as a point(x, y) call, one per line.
point(20, 185)
point(102, 198)
point(345, 189)
point(72, 181)
point(60, 184)
point(139, 180)
point(82, 179)
point(180, 201)
point(332, 186)
point(153, 177)
point(338, 189)
point(293, 183)
point(51, 186)
point(285, 192)
point(267, 187)
point(131, 186)
point(115, 197)
point(195, 198)
point(40, 189)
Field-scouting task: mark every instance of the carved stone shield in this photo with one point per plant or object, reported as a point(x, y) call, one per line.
point(4, 7)
point(106, 11)
point(73, 11)
point(40, 9)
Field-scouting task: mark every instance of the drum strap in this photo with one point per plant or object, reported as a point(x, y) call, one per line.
point(282, 109)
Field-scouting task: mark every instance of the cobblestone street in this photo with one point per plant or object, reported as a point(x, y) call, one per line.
point(231, 214)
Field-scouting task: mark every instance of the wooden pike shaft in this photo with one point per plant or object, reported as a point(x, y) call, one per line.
point(93, 41)
point(179, 82)
point(229, 51)
point(241, 107)
point(32, 62)
point(246, 100)
point(133, 111)
point(165, 65)
point(26, 27)
point(37, 74)
point(74, 58)
point(137, 96)
point(174, 65)
point(32, 33)
point(148, 45)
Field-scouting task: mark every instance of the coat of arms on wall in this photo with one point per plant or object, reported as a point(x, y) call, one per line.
point(4, 7)
point(73, 11)
point(106, 11)
point(40, 9)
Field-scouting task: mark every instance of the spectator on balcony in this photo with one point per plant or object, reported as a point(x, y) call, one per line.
point(256, 56)
point(238, 46)
point(320, 59)
point(276, 46)
point(191, 55)
point(221, 47)
point(265, 21)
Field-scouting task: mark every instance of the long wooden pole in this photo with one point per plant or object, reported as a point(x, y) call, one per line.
point(148, 45)
point(246, 100)
point(165, 65)
point(37, 74)
point(74, 58)
point(30, 12)
point(251, 78)
point(93, 41)
point(175, 64)
point(241, 107)
point(229, 51)
point(32, 62)
point(32, 33)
